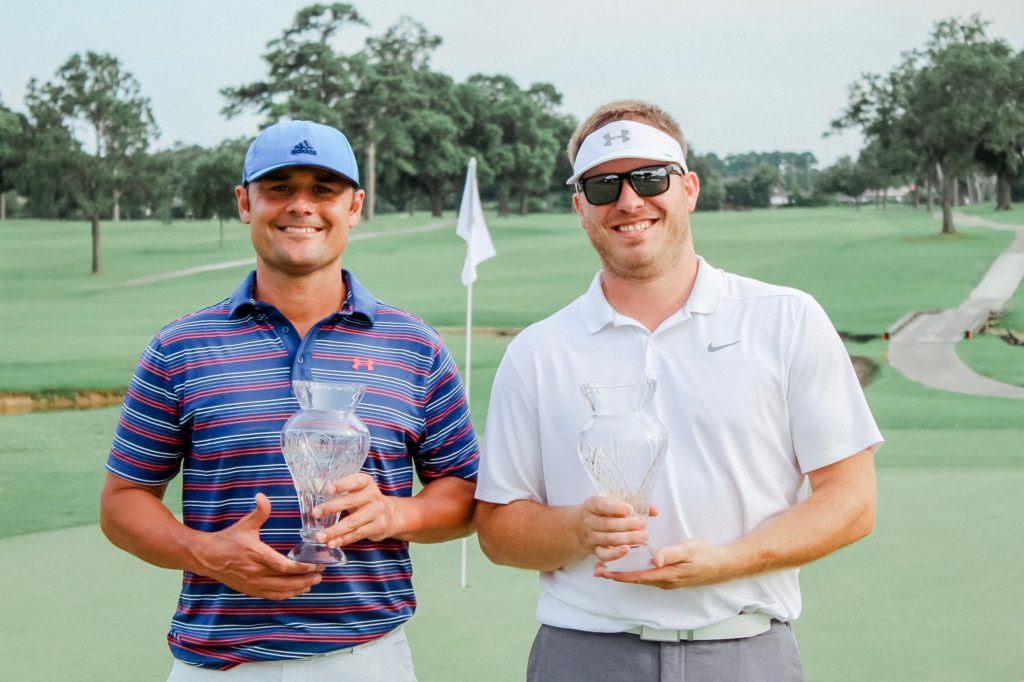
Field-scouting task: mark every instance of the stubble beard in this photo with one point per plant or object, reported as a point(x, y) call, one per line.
point(643, 265)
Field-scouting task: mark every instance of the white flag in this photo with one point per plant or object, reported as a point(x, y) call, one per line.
point(472, 228)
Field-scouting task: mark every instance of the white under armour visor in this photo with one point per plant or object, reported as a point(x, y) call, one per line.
point(626, 140)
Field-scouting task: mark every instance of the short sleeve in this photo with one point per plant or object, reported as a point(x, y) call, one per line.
point(449, 446)
point(511, 467)
point(149, 443)
point(829, 417)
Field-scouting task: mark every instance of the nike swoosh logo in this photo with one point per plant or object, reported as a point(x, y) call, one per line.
point(712, 348)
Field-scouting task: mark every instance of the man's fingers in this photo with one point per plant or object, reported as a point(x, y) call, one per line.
point(606, 554)
point(607, 506)
point(279, 588)
point(258, 516)
point(350, 484)
point(673, 554)
point(279, 563)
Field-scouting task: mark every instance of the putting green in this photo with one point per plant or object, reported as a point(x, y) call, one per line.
point(930, 596)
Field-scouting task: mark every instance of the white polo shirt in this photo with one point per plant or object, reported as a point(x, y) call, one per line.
point(755, 389)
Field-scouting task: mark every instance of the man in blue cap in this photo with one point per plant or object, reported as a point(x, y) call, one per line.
point(209, 398)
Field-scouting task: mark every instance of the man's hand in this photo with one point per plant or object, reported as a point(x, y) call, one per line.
point(371, 514)
point(238, 558)
point(688, 564)
point(607, 527)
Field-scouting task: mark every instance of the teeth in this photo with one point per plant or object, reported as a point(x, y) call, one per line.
point(635, 227)
point(299, 230)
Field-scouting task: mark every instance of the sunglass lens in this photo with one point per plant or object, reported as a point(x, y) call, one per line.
point(603, 189)
point(649, 182)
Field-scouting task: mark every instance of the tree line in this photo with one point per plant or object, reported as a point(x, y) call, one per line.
point(945, 113)
point(83, 149)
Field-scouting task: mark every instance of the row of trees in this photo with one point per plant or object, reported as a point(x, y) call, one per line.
point(946, 110)
point(82, 148)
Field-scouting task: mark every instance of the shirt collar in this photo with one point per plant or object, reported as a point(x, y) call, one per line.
point(707, 292)
point(359, 303)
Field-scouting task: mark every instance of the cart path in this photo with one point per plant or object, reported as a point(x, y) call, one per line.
point(251, 262)
point(924, 350)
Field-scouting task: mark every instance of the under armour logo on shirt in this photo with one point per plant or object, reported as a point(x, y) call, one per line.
point(362, 362)
point(608, 137)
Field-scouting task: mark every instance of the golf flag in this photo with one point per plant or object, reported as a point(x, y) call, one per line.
point(472, 228)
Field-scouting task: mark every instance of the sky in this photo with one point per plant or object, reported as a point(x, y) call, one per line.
point(739, 75)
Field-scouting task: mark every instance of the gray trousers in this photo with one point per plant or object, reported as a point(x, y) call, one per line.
point(560, 655)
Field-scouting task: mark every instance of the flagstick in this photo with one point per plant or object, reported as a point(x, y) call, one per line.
point(468, 373)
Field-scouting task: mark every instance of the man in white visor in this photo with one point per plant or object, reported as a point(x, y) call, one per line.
point(757, 395)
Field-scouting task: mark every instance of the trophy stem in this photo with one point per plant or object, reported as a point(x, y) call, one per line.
point(314, 553)
point(639, 558)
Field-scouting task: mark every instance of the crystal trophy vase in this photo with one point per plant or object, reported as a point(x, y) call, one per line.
point(622, 447)
point(322, 442)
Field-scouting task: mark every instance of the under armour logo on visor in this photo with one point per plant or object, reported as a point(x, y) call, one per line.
point(608, 137)
point(304, 147)
point(361, 362)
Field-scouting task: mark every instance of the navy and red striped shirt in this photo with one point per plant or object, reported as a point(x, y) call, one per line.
point(209, 398)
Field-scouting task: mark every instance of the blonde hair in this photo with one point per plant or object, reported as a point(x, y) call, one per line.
point(625, 110)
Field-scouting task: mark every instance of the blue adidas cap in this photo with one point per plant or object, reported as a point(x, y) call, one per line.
point(300, 143)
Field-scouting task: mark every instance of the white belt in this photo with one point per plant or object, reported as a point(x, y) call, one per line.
point(737, 627)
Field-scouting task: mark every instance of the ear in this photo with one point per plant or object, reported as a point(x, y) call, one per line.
point(691, 185)
point(576, 202)
point(242, 197)
point(356, 208)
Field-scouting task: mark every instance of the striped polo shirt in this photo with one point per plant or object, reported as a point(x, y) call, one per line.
point(210, 396)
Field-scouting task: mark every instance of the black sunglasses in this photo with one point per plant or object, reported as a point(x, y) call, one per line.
point(649, 181)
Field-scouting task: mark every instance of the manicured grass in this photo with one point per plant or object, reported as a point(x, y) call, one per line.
point(992, 357)
point(867, 267)
point(927, 597)
point(1015, 216)
point(941, 561)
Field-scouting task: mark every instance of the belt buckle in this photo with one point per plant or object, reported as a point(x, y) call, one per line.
point(656, 635)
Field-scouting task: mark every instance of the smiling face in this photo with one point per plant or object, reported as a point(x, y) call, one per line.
point(300, 218)
point(640, 238)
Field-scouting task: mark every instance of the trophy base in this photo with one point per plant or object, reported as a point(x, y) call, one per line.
point(310, 553)
point(639, 558)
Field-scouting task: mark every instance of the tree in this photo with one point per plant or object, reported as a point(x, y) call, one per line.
point(307, 78)
point(941, 107)
point(13, 132)
point(520, 129)
point(1001, 151)
point(954, 106)
point(755, 189)
point(209, 184)
point(93, 91)
point(844, 177)
point(712, 188)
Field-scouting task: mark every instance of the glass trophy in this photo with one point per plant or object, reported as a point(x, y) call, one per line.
point(622, 447)
point(322, 442)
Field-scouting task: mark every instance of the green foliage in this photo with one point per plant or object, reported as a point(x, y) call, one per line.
point(943, 110)
point(94, 91)
point(755, 189)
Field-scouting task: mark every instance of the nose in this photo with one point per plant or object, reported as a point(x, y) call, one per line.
point(301, 203)
point(628, 199)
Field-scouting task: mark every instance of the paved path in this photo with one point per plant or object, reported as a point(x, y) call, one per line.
point(924, 350)
point(251, 262)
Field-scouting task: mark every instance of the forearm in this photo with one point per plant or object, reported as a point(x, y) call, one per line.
point(840, 511)
point(442, 510)
point(137, 521)
point(526, 534)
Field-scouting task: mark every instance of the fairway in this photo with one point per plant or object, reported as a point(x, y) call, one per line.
point(945, 559)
